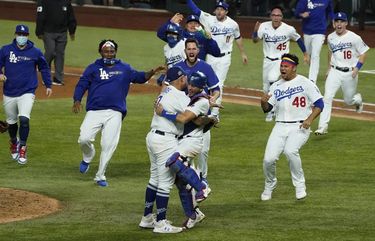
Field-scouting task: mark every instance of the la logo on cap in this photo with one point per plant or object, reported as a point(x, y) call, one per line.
point(22, 28)
point(339, 14)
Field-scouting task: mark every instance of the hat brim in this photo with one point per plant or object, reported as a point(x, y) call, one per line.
point(343, 19)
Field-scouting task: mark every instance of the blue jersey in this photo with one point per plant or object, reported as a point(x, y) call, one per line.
point(107, 86)
point(206, 46)
point(202, 66)
point(319, 11)
point(20, 68)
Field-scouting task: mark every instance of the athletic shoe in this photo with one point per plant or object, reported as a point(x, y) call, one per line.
point(357, 99)
point(84, 166)
point(321, 131)
point(14, 149)
point(202, 194)
point(148, 221)
point(164, 226)
point(266, 195)
point(205, 182)
point(57, 82)
point(359, 108)
point(22, 159)
point(190, 223)
point(102, 183)
point(300, 193)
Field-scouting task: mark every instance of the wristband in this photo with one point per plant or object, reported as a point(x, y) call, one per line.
point(169, 116)
point(255, 34)
point(359, 65)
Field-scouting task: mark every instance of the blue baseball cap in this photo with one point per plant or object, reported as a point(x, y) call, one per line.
point(22, 29)
point(192, 18)
point(341, 16)
point(222, 5)
point(174, 73)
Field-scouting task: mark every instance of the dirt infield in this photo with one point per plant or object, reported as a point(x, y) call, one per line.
point(17, 205)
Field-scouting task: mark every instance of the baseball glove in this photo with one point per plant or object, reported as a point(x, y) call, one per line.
point(3, 126)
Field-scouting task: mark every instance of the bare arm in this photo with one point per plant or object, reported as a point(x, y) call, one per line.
point(264, 102)
point(242, 51)
point(315, 113)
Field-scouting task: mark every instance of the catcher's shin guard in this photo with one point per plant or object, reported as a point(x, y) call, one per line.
point(185, 197)
point(186, 173)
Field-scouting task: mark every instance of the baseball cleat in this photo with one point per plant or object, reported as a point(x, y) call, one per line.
point(321, 131)
point(266, 195)
point(14, 148)
point(102, 183)
point(359, 108)
point(300, 193)
point(164, 226)
point(190, 223)
point(148, 221)
point(84, 166)
point(22, 159)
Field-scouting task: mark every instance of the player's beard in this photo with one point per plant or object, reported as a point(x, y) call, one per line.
point(192, 59)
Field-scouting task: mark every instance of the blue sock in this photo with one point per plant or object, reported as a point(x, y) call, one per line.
point(13, 129)
point(161, 205)
point(149, 199)
point(24, 130)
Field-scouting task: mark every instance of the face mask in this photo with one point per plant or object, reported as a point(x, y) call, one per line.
point(172, 41)
point(109, 61)
point(21, 40)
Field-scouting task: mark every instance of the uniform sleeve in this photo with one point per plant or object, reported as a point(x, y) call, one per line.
point(237, 33)
point(313, 92)
point(261, 31)
point(2, 60)
point(212, 47)
point(212, 79)
point(293, 34)
point(44, 69)
point(194, 8)
point(329, 10)
point(83, 84)
point(138, 77)
point(161, 33)
point(300, 8)
point(40, 18)
point(361, 46)
point(72, 22)
point(200, 107)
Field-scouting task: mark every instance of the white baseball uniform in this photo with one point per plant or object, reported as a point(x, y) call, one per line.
point(275, 44)
point(345, 50)
point(292, 104)
point(18, 106)
point(175, 54)
point(162, 140)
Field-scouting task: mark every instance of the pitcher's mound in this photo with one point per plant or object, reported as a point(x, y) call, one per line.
point(16, 205)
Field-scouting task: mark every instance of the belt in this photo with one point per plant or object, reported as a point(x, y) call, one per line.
point(300, 121)
point(272, 59)
point(182, 137)
point(162, 133)
point(342, 69)
point(223, 54)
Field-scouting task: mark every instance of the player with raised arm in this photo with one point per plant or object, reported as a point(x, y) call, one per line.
point(276, 36)
point(346, 55)
point(292, 97)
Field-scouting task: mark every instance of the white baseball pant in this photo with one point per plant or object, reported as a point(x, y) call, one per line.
point(314, 45)
point(335, 80)
point(271, 73)
point(18, 106)
point(287, 138)
point(202, 165)
point(109, 122)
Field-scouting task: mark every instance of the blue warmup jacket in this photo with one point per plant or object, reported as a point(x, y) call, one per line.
point(107, 86)
point(206, 46)
point(20, 67)
point(319, 10)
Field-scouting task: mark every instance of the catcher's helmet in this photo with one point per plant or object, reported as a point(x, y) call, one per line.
point(173, 28)
point(198, 79)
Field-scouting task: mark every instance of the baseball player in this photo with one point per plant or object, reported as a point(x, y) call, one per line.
point(107, 81)
point(314, 15)
point(347, 54)
point(224, 31)
point(193, 64)
point(193, 29)
point(276, 36)
point(291, 97)
point(190, 145)
point(174, 49)
point(162, 141)
point(19, 61)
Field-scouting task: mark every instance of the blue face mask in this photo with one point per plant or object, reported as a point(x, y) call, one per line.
point(172, 41)
point(109, 61)
point(21, 40)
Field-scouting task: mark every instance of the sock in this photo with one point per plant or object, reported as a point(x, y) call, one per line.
point(24, 130)
point(149, 199)
point(13, 128)
point(161, 205)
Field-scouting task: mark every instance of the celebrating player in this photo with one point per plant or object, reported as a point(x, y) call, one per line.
point(347, 54)
point(19, 60)
point(107, 81)
point(276, 37)
point(291, 97)
point(314, 25)
point(224, 31)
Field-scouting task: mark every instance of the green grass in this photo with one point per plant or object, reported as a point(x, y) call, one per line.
point(143, 50)
point(338, 167)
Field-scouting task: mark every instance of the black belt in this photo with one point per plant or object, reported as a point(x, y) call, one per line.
point(223, 54)
point(300, 121)
point(162, 133)
point(342, 69)
point(272, 59)
point(182, 137)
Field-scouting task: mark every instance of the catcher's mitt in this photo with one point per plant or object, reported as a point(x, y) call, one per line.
point(3, 126)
